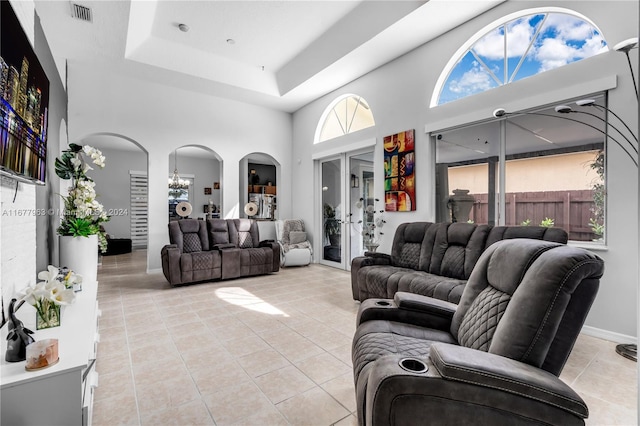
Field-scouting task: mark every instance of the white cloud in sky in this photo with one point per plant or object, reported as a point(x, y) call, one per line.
point(569, 27)
point(473, 81)
point(554, 53)
point(567, 39)
point(519, 33)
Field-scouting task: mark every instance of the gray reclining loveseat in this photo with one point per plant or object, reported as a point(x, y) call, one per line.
point(493, 359)
point(216, 249)
point(434, 259)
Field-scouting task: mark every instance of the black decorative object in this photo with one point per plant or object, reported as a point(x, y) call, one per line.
point(255, 179)
point(18, 337)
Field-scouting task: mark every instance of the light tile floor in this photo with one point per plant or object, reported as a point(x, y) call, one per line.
point(266, 350)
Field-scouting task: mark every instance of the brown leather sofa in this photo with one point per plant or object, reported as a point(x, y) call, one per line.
point(434, 259)
point(216, 249)
point(493, 359)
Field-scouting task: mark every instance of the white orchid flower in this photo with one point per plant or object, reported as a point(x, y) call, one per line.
point(96, 155)
point(370, 208)
point(76, 162)
point(99, 161)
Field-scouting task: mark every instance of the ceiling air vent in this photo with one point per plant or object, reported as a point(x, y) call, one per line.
point(81, 12)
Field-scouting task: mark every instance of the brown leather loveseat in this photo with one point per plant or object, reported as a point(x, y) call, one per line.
point(216, 249)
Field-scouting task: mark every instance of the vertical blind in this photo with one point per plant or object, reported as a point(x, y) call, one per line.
point(138, 213)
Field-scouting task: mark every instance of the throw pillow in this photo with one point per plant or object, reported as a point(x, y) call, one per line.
point(296, 237)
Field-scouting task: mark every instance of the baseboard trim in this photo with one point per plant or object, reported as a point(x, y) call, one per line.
point(608, 335)
point(154, 271)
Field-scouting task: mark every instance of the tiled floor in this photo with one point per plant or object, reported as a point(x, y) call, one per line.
point(267, 350)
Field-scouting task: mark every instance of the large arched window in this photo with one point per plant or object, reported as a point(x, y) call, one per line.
point(515, 47)
point(346, 114)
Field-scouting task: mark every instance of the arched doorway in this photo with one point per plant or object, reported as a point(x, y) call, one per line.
point(122, 187)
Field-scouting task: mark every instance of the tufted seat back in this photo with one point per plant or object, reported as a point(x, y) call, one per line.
point(527, 300)
point(244, 233)
point(456, 248)
point(190, 235)
point(407, 244)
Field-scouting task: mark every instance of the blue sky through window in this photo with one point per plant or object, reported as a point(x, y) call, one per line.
point(534, 44)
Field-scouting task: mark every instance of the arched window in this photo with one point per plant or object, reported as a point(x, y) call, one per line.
point(346, 114)
point(515, 47)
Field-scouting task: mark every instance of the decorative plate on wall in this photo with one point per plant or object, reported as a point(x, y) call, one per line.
point(183, 209)
point(250, 209)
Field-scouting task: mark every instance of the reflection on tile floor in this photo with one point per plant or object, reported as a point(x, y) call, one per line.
point(266, 350)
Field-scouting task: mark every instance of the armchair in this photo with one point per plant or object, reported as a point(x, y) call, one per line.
point(295, 248)
point(494, 358)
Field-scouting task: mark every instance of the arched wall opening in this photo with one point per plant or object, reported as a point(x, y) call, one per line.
point(122, 187)
point(259, 175)
point(201, 168)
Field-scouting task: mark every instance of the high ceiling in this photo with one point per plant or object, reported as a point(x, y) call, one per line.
point(280, 54)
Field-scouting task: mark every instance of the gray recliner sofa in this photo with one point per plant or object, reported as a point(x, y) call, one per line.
point(216, 249)
point(434, 259)
point(493, 359)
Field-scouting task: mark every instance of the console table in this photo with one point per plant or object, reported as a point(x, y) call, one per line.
point(63, 393)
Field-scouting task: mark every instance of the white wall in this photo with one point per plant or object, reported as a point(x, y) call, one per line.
point(18, 237)
point(161, 118)
point(399, 95)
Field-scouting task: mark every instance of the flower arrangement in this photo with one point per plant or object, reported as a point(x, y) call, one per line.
point(83, 214)
point(371, 232)
point(48, 295)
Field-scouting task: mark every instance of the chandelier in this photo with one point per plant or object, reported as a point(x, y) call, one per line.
point(175, 182)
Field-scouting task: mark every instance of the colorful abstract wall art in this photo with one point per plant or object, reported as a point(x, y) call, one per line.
point(399, 172)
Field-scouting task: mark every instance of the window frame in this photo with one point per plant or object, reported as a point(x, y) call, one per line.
point(331, 108)
point(465, 47)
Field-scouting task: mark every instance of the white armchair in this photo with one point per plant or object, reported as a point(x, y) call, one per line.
point(295, 248)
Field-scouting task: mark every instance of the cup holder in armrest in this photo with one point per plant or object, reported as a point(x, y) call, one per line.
point(413, 365)
point(383, 303)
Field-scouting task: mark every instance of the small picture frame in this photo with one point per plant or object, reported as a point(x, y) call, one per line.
point(216, 185)
point(207, 191)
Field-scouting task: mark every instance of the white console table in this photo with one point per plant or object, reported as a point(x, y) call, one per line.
point(63, 393)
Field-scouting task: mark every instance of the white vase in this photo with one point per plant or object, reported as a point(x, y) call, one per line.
point(80, 254)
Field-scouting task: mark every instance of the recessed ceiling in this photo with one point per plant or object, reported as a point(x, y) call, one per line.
point(307, 48)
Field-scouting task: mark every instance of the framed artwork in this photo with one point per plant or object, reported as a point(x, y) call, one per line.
point(399, 172)
point(216, 185)
point(207, 191)
point(24, 103)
